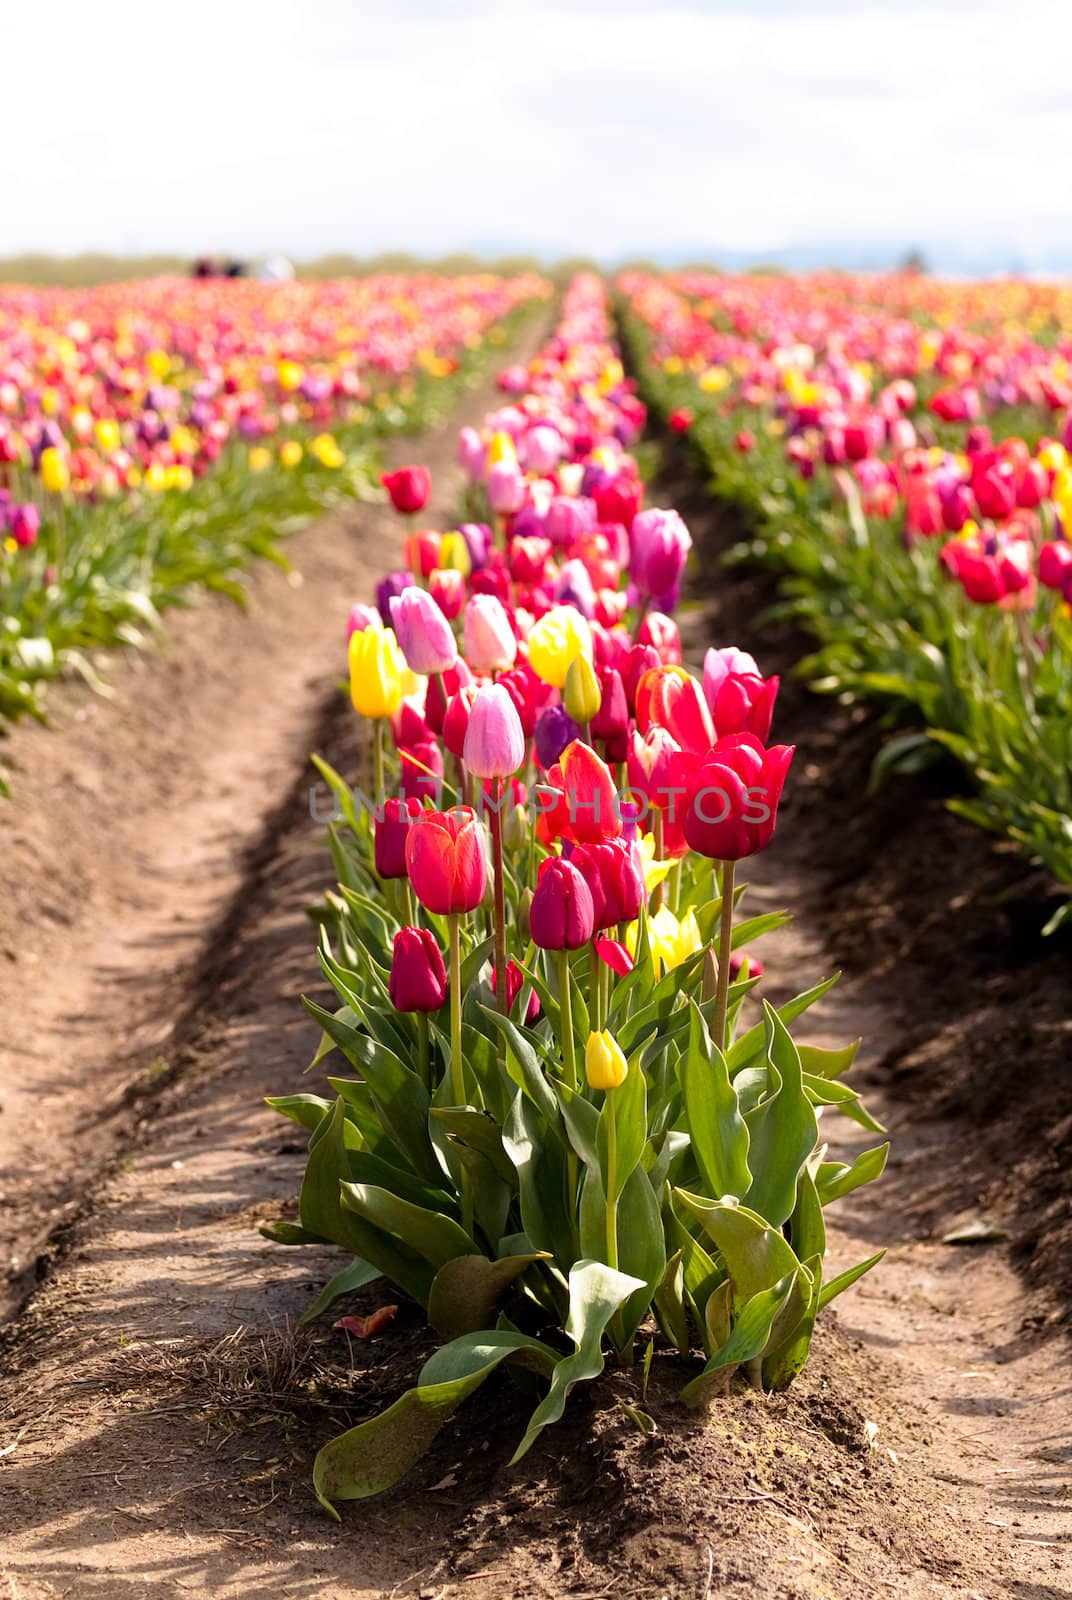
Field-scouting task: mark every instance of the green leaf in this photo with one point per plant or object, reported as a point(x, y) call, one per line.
point(757, 1256)
point(435, 1236)
point(596, 1292)
point(835, 1179)
point(750, 1047)
point(718, 1132)
point(355, 1276)
point(846, 1279)
point(467, 1290)
point(782, 1128)
point(307, 1110)
point(322, 1213)
point(290, 1233)
point(668, 1303)
point(748, 1339)
point(829, 1064)
point(372, 1457)
point(826, 1092)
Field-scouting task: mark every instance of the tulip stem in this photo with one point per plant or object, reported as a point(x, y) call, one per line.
point(569, 1062)
point(377, 761)
point(593, 973)
point(612, 1184)
point(422, 1050)
point(565, 1000)
point(658, 892)
point(725, 946)
point(495, 815)
point(457, 1079)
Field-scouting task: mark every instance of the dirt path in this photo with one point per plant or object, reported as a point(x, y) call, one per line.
point(159, 1411)
point(133, 825)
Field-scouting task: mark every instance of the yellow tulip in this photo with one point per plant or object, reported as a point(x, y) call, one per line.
point(289, 375)
point(326, 451)
point(605, 1066)
point(454, 553)
point(560, 636)
point(290, 452)
point(501, 448)
point(582, 695)
point(155, 478)
point(260, 458)
point(108, 435)
point(55, 474)
point(376, 667)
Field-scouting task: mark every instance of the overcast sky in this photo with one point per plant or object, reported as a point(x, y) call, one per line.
point(608, 129)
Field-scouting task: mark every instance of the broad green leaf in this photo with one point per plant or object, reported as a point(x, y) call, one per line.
point(829, 1064)
point(627, 1105)
point(757, 1256)
point(748, 1339)
point(373, 1456)
point(467, 1290)
point(782, 1129)
point(826, 1092)
point(307, 1110)
point(718, 1132)
point(435, 1236)
point(668, 1303)
point(322, 1213)
point(596, 1292)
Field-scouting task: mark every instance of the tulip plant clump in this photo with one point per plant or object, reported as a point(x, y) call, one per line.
point(571, 1127)
point(901, 451)
point(162, 434)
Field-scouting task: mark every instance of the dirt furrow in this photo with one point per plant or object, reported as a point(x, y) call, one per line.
point(133, 826)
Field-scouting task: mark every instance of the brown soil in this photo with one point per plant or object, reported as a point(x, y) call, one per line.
point(158, 1406)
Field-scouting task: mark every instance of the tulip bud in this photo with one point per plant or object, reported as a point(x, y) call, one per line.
point(605, 1066)
point(524, 915)
point(418, 976)
point(423, 632)
point(494, 745)
point(392, 828)
point(408, 488)
point(515, 828)
point(376, 665)
point(562, 916)
point(490, 641)
point(581, 693)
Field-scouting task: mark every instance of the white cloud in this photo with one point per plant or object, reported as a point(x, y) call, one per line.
point(598, 127)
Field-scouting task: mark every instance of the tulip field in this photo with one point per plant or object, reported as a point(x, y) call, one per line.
point(900, 454)
point(494, 1143)
point(148, 448)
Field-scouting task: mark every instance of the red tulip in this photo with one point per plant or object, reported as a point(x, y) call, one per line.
point(409, 488)
point(744, 703)
point(614, 879)
point(418, 975)
point(579, 801)
point(515, 982)
point(614, 953)
point(562, 916)
point(732, 804)
point(391, 832)
point(669, 698)
point(446, 861)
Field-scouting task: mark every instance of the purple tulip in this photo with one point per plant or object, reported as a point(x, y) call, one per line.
point(386, 589)
point(554, 730)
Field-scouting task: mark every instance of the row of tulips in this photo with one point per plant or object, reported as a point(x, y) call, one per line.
point(910, 475)
point(573, 1128)
point(157, 435)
